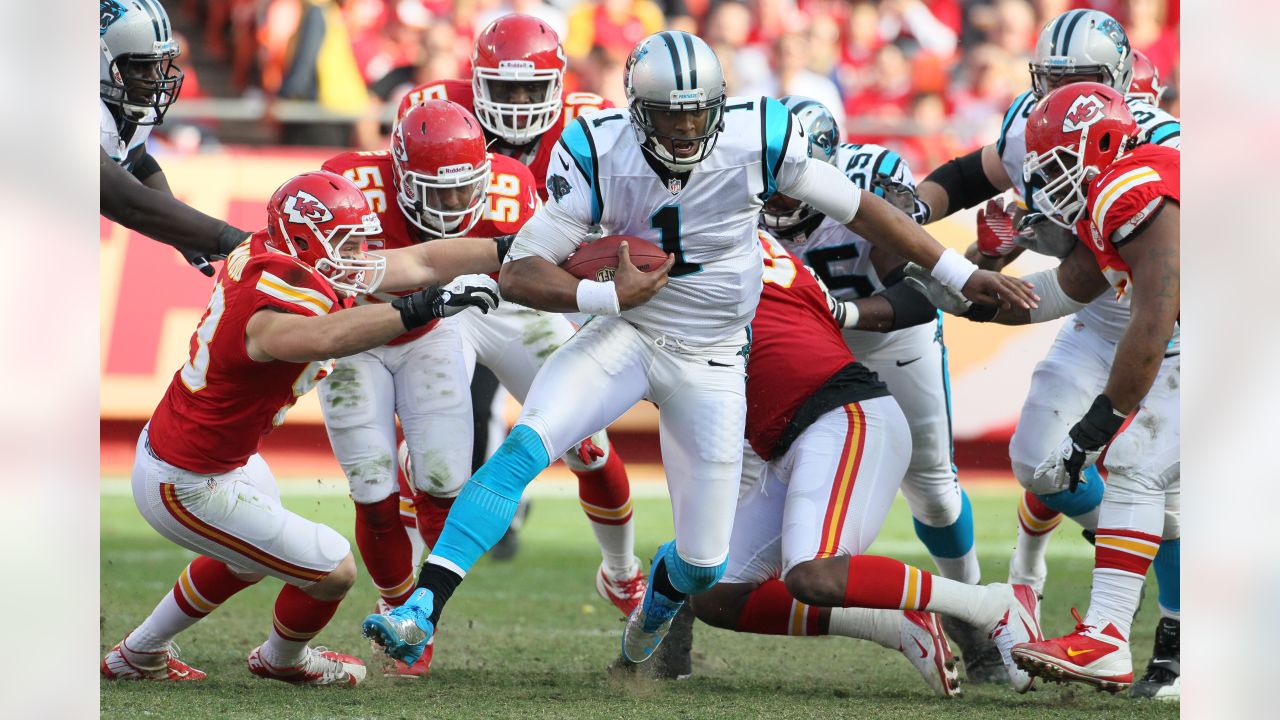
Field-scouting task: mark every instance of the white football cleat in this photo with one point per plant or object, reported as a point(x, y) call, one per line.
point(124, 664)
point(925, 645)
point(625, 592)
point(1096, 656)
point(1016, 613)
point(319, 666)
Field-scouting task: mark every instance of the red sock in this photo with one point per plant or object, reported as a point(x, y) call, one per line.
point(300, 617)
point(204, 585)
point(881, 582)
point(1128, 551)
point(385, 548)
point(605, 494)
point(432, 512)
point(1035, 517)
point(770, 610)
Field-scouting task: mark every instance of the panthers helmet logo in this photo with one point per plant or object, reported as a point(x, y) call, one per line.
point(109, 11)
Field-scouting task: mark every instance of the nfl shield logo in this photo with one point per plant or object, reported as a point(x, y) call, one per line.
point(674, 185)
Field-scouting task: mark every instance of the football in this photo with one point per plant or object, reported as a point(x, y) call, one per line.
point(598, 260)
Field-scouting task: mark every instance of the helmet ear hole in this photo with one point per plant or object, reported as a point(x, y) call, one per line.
point(300, 243)
point(1104, 143)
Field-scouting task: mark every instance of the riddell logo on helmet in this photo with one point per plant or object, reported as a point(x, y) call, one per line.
point(516, 65)
point(454, 170)
point(1085, 111)
point(304, 207)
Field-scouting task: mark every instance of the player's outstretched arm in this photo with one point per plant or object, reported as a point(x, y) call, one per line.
point(1153, 257)
point(273, 335)
point(159, 215)
point(964, 182)
point(438, 261)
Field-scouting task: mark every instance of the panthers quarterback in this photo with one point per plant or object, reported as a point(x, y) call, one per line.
point(1076, 46)
point(687, 168)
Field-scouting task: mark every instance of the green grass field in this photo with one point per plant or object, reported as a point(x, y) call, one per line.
point(532, 639)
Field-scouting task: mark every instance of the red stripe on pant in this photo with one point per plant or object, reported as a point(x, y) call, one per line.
point(842, 484)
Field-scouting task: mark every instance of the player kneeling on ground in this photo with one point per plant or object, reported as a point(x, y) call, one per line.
point(837, 447)
point(1123, 203)
point(266, 338)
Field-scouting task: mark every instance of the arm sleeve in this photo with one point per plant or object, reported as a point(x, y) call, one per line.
point(144, 166)
point(825, 189)
point(558, 227)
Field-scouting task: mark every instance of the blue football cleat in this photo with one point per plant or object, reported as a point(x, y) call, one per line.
point(649, 623)
point(403, 634)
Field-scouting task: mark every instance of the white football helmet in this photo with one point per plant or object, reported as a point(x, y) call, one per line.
point(675, 72)
point(1082, 45)
point(137, 75)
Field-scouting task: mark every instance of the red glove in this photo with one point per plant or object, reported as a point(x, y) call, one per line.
point(995, 230)
point(589, 452)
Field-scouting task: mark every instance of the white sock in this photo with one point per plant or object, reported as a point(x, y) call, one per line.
point(882, 627)
point(1027, 565)
point(1171, 614)
point(161, 626)
point(419, 546)
point(279, 652)
point(617, 547)
point(962, 601)
point(961, 569)
point(1114, 599)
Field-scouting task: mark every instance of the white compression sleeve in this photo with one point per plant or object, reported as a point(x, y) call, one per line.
point(824, 188)
point(1054, 301)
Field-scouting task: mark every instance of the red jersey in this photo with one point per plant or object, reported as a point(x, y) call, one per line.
point(221, 403)
point(1127, 194)
point(799, 366)
point(537, 154)
point(512, 201)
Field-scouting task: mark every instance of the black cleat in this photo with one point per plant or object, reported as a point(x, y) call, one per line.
point(982, 661)
point(1161, 680)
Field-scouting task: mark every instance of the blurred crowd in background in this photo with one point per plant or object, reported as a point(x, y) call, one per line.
point(930, 78)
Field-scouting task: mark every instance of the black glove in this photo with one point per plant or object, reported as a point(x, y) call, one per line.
point(1089, 436)
point(228, 239)
point(465, 291)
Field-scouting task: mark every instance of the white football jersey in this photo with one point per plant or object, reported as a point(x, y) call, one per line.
point(1104, 315)
point(599, 175)
point(842, 257)
point(123, 151)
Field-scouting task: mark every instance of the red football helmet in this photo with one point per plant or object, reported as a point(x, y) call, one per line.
point(1145, 85)
point(441, 168)
point(517, 78)
point(323, 219)
point(1073, 134)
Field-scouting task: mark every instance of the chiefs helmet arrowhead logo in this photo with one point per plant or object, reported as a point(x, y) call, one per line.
point(303, 207)
point(1085, 111)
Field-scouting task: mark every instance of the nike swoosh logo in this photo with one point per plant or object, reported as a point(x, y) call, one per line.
point(713, 363)
point(1071, 652)
point(565, 164)
point(904, 364)
point(923, 652)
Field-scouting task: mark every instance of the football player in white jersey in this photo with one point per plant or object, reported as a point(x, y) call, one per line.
point(911, 359)
point(137, 83)
point(688, 168)
point(1076, 46)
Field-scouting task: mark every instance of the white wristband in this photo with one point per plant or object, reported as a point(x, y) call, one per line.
point(953, 270)
point(849, 316)
point(597, 298)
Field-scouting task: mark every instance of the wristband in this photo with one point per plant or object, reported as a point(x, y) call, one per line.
point(598, 298)
point(847, 314)
point(504, 243)
point(953, 270)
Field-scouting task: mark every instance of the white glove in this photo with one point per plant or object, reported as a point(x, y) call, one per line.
point(1039, 234)
point(479, 291)
point(946, 299)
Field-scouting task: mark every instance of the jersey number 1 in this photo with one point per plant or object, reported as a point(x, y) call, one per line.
point(667, 222)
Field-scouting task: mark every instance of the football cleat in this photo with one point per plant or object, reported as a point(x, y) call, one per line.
point(393, 668)
point(925, 645)
point(122, 664)
point(1016, 609)
point(649, 623)
point(1097, 657)
point(625, 592)
point(319, 666)
point(403, 633)
point(1162, 678)
point(982, 661)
